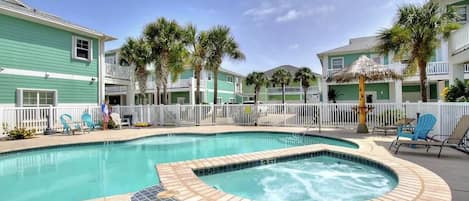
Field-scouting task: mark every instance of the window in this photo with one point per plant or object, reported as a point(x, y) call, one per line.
point(111, 59)
point(377, 58)
point(82, 48)
point(229, 78)
point(219, 100)
point(337, 63)
point(232, 100)
point(36, 98)
point(461, 11)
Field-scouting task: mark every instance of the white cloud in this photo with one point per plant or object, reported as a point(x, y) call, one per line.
point(290, 15)
point(259, 11)
point(294, 46)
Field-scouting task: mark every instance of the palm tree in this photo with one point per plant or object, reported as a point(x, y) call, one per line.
point(283, 78)
point(258, 79)
point(198, 55)
point(332, 94)
point(220, 45)
point(305, 76)
point(416, 33)
point(166, 39)
point(136, 52)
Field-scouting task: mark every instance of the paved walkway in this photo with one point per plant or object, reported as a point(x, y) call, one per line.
point(452, 166)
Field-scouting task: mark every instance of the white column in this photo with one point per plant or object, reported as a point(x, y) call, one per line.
point(440, 86)
point(101, 72)
point(130, 95)
point(398, 91)
point(456, 71)
point(325, 73)
point(191, 92)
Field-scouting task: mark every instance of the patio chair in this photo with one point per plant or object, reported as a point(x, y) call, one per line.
point(392, 128)
point(70, 126)
point(424, 125)
point(86, 118)
point(118, 121)
point(456, 139)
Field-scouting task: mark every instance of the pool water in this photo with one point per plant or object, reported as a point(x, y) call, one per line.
point(96, 170)
point(318, 178)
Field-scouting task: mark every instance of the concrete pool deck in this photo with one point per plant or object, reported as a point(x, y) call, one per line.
point(371, 146)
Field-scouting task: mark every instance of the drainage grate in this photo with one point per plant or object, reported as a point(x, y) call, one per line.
point(149, 194)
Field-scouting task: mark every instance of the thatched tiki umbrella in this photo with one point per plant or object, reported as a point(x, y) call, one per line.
point(364, 69)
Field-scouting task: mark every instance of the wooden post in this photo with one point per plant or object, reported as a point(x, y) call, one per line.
point(362, 128)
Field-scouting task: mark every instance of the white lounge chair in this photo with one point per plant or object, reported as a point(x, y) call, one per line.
point(118, 121)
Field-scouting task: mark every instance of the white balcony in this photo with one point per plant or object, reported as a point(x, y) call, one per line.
point(116, 89)
point(291, 90)
point(115, 71)
point(437, 68)
point(459, 40)
point(466, 68)
point(179, 84)
point(433, 68)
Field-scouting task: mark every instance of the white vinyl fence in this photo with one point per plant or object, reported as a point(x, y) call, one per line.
point(303, 115)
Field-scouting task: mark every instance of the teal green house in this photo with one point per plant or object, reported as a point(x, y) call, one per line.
point(450, 61)
point(180, 91)
point(45, 60)
point(293, 92)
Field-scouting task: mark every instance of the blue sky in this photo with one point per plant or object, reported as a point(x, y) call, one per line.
point(270, 32)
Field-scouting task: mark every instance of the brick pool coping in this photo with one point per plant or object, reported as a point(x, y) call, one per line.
point(415, 182)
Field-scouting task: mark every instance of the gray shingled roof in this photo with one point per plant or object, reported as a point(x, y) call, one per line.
point(18, 6)
point(355, 45)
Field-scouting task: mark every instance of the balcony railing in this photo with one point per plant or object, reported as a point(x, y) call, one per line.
point(436, 68)
point(460, 39)
point(292, 90)
point(466, 68)
point(118, 72)
point(116, 89)
point(179, 84)
point(433, 68)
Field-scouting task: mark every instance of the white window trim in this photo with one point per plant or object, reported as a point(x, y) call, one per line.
point(467, 12)
point(232, 78)
point(332, 63)
point(74, 48)
point(19, 95)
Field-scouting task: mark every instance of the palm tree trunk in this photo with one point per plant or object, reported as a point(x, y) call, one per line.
point(215, 85)
point(197, 90)
point(283, 94)
point(158, 101)
point(423, 79)
point(165, 94)
point(305, 91)
point(256, 93)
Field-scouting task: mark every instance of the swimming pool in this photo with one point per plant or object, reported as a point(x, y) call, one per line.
point(321, 177)
point(101, 169)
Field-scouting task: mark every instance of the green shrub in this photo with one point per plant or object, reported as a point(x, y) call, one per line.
point(18, 133)
point(459, 92)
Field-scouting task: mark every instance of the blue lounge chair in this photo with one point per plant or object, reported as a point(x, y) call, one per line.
point(68, 124)
point(86, 118)
point(424, 125)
